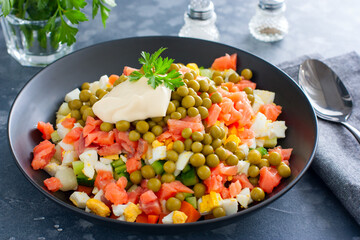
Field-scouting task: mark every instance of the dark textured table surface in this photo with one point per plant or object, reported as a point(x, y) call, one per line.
point(308, 211)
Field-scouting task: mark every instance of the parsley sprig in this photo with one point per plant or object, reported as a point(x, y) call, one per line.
point(155, 69)
point(69, 11)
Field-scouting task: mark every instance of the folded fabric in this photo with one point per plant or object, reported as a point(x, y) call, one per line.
point(337, 159)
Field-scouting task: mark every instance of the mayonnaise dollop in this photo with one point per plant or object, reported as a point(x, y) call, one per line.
point(133, 101)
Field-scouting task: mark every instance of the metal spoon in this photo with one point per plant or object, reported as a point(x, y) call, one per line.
point(327, 93)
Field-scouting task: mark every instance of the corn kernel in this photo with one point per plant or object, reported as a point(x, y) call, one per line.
point(67, 116)
point(179, 217)
point(98, 207)
point(230, 178)
point(156, 143)
point(169, 146)
point(233, 138)
point(194, 67)
point(113, 157)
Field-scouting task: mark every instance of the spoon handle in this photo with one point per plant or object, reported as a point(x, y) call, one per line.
point(353, 130)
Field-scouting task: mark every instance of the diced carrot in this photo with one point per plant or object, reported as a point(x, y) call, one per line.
point(105, 138)
point(73, 135)
point(53, 184)
point(132, 165)
point(225, 193)
point(168, 190)
point(245, 183)
point(245, 83)
point(113, 78)
point(103, 178)
point(269, 178)
point(214, 112)
point(122, 182)
point(214, 183)
point(148, 196)
point(176, 126)
point(165, 135)
point(190, 211)
point(152, 218)
point(68, 122)
point(128, 70)
point(115, 194)
point(142, 218)
point(271, 111)
point(85, 189)
point(43, 153)
point(110, 150)
point(235, 188)
point(46, 129)
point(225, 62)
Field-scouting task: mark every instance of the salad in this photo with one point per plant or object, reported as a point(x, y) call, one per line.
point(168, 143)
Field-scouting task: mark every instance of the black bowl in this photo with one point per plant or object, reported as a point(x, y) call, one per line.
point(43, 94)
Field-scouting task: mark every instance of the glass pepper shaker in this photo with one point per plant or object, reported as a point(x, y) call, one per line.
point(200, 21)
point(269, 23)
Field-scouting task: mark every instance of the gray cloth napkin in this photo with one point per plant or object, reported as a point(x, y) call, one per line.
point(337, 159)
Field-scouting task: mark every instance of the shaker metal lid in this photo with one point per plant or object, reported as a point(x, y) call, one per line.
point(201, 9)
point(271, 4)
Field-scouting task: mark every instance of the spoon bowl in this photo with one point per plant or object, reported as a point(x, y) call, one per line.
point(327, 93)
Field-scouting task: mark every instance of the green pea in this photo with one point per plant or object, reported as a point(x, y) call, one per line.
point(232, 160)
point(180, 196)
point(215, 131)
point(82, 109)
point(254, 156)
point(248, 90)
point(173, 204)
point(216, 73)
point(196, 147)
point(169, 167)
point(175, 96)
point(234, 77)
point(93, 100)
point(194, 73)
point(81, 122)
point(221, 153)
point(199, 190)
point(154, 184)
point(198, 101)
point(284, 170)
point(172, 155)
point(75, 114)
point(274, 158)
point(225, 88)
point(167, 178)
point(253, 171)
point(216, 143)
point(212, 89)
point(218, 80)
point(182, 111)
point(197, 159)
point(203, 172)
point(122, 125)
point(178, 146)
point(207, 139)
point(100, 92)
point(85, 86)
point(75, 104)
point(106, 127)
point(188, 76)
point(204, 95)
point(186, 133)
point(197, 136)
point(147, 172)
point(192, 92)
point(188, 143)
point(171, 108)
point(182, 91)
point(87, 112)
point(192, 112)
point(251, 98)
point(207, 149)
point(149, 137)
point(240, 154)
point(263, 163)
point(84, 95)
point(142, 126)
point(175, 115)
point(207, 102)
point(219, 212)
point(254, 180)
point(136, 177)
point(212, 160)
point(194, 85)
point(176, 103)
point(204, 113)
point(134, 135)
point(231, 146)
point(216, 97)
point(156, 130)
point(204, 85)
point(188, 101)
point(174, 67)
point(257, 194)
point(247, 73)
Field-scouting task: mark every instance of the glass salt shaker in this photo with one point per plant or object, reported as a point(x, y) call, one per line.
point(269, 23)
point(200, 21)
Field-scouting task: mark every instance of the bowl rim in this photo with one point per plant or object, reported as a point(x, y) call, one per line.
point(156, 227)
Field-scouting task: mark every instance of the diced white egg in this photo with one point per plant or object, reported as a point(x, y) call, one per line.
point(95, 190)
point(66, 146)
point(57, 154)
point(183, 159)
point(64, 109)
point(94, 87)
point(74, 94)
point(266, 96)
point(106, 160)
point(277, 129)
point(204, 212)
point(52, 167)
point(163, 206)
point(62, 131)
point(243, 167)
point(101, 166)
point(87, 209)
point(67, 178)
point(119, 209)
point(104, 82)
point(88, 169)
point(90, 155)
point(244, 197)
point(251, 143)
point(69, 157)
point(77, 125)
point(99, 194)
point(168, 219)
point(245, 148)
point(230, 206)
point(260, 125)
point(158, 153)
point(257, 103)
point(79, 199)
point(121, 218)
point(260, 142)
